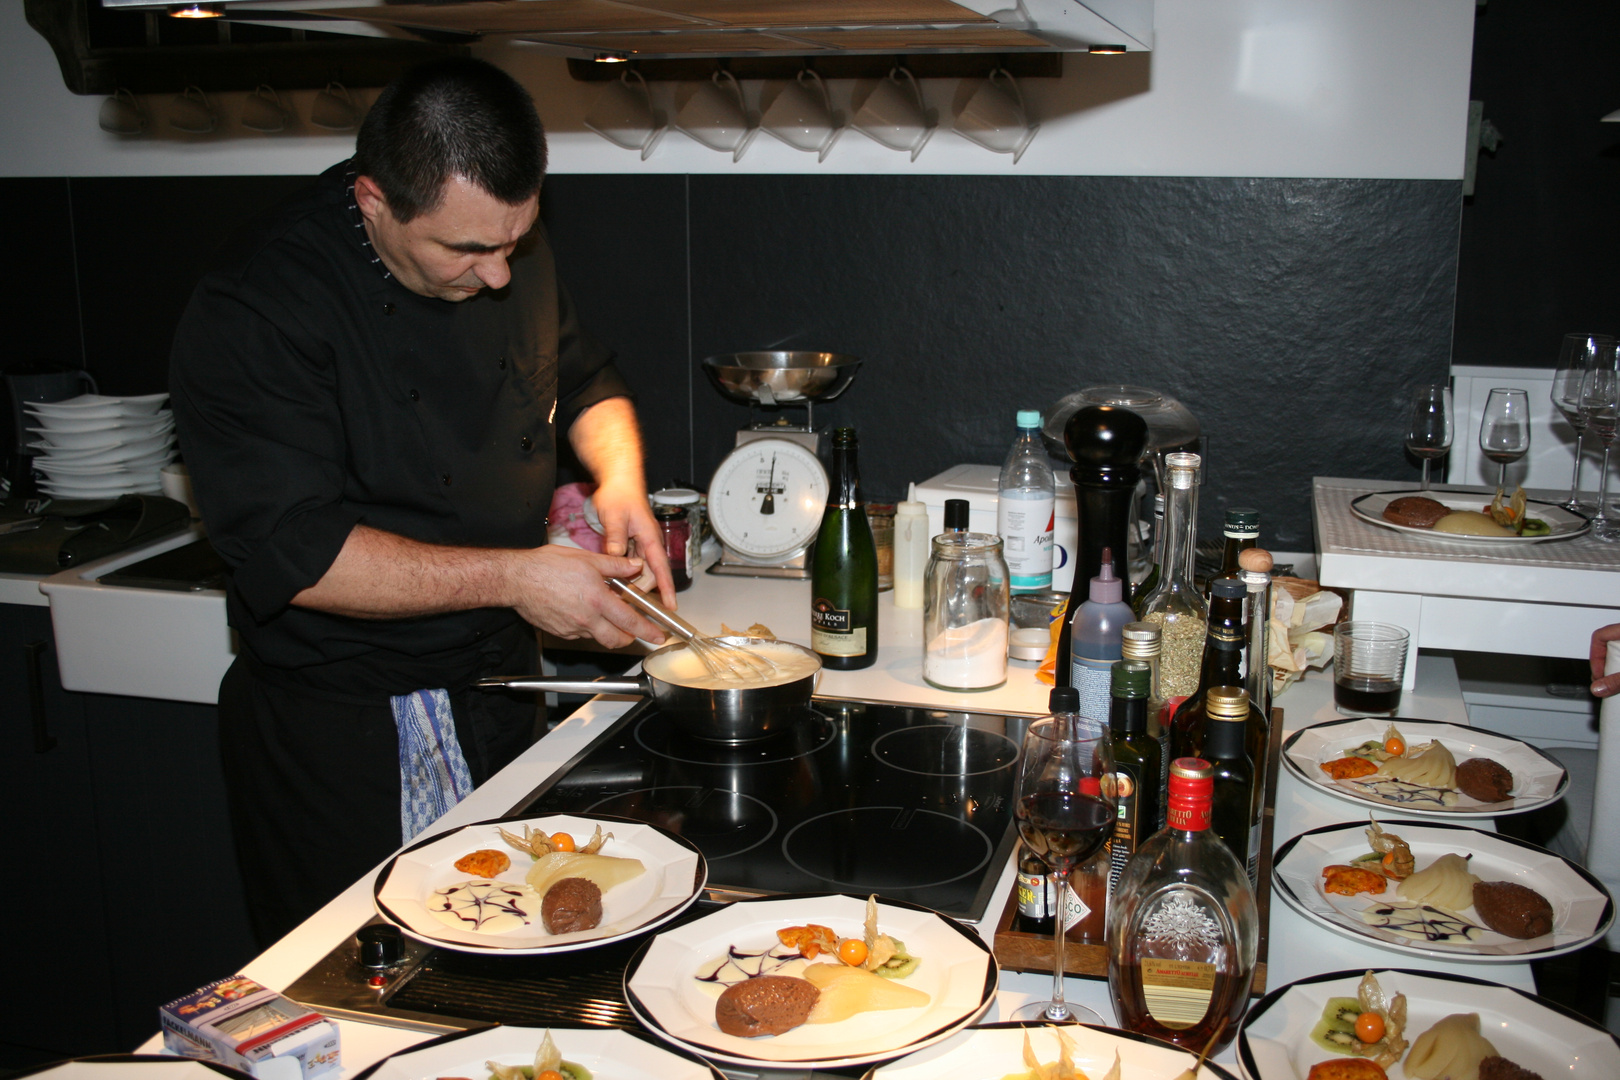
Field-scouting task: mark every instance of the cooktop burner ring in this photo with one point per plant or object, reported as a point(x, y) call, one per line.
point(657, 735)
point(947, 842)
point(925, 749)
point(665, 806)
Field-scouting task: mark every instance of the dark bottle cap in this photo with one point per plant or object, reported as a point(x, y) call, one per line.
point(1064, 699)
point(1229, 588)
point(956, 514)
point(1131, 678)
point(1244, 518)
point(844, 436)
point(1105, 442)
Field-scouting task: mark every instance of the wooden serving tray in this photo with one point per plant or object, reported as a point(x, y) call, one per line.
point(1018, 951)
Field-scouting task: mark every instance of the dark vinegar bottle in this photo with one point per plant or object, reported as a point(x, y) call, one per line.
point(843, 570)
point(1233, 801)
point(1138, 772)
point(1222, 666)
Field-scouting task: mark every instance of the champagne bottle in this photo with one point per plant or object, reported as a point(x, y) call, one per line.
point(843, 570)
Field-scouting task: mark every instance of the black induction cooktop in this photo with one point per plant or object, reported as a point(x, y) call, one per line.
point(913, 803)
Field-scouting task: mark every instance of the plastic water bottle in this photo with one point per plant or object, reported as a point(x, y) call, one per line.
point(1025, 505)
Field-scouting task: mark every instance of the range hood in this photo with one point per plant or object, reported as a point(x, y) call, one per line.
point(696, 29)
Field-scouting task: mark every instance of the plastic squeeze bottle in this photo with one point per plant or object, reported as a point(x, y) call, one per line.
point(911, 550)
point(1096, 635)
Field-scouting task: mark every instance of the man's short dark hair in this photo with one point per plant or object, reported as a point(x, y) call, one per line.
point(449, 118)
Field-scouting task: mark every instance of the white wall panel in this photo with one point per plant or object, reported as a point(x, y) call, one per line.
point(1306, 88)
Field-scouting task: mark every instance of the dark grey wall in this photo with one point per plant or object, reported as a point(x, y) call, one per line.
point(1540, 245)
point(1292, 316)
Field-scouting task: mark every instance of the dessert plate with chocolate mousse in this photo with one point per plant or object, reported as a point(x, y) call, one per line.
point(672, 988)
point(472, 890)
point(1532, 777)
point(1411, 515)
point(1576, 912)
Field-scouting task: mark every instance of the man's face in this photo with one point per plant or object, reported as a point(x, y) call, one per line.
point(453, 251)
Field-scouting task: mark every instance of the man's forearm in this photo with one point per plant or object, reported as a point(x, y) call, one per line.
point(607, 440)
point(380, 575)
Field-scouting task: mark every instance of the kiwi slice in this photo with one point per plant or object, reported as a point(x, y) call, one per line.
point(1336, 1031)
point(900, 964)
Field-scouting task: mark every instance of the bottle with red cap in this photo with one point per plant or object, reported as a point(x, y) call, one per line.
point(1183, 928)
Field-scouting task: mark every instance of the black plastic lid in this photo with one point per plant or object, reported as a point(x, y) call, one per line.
point(956, 513)
point(1243, 517)
point(1064, 699)
point(1229, 588)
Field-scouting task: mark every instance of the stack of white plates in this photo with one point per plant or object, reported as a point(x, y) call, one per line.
point(95, 447)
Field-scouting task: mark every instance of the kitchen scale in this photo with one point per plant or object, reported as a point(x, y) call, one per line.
point(766, 498)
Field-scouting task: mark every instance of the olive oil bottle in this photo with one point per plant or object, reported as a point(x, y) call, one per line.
point(843, 570)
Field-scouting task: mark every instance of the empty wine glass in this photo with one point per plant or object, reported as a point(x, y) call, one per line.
point(1428, 436)
point(1065, 813)
point(1600, 401)
point(1575, 358)
point(1504, 432)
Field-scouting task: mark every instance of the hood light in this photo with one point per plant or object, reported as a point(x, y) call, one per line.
point(610, 58)
point(196, 11)
point(1106, 50)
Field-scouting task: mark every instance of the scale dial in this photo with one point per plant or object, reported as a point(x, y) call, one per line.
point(766, 499)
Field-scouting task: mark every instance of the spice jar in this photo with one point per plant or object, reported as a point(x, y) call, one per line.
point(677, 529)
point(965, 596)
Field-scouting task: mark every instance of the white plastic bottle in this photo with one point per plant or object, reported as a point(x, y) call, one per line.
point(912, 546)
point(1025, 505)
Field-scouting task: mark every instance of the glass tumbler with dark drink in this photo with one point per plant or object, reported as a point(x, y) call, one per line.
point(1369, 665)
point(1065, 814)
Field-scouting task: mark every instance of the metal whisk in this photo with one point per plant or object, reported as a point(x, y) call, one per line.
point(723, 659)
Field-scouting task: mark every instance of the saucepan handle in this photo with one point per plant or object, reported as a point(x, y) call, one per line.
point(640, 686)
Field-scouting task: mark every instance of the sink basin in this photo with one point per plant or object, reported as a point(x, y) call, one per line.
point(142, 642)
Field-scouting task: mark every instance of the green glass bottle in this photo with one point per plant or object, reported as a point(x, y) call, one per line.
point(843, 569)
point(1137, 765)
point(1232, 818)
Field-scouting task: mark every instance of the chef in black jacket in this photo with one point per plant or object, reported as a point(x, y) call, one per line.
point(369, 387)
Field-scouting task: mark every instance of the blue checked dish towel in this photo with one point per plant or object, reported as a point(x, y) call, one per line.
point(433, 774)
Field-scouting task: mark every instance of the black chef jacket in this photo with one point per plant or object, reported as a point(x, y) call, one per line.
point(313, 392)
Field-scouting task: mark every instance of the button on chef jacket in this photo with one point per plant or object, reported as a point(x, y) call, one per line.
point(313, 392)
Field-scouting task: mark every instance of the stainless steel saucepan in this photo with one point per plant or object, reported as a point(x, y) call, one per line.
point(734, 715)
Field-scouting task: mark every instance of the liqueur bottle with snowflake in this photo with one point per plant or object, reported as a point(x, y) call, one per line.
point(1183, 929)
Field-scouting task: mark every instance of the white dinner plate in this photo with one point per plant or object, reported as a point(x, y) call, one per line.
point(1563, 523)
point(99, 439)
point(991, 1051)
point(70, 425)
point(958, 973)
point(133, 1067)
point(130, 451)
point(69, 491)
point(1582, 907)
point(99, 406)
point(609, 1053)
point(675, 874)
point(1274, 1041)
point(1538, 780)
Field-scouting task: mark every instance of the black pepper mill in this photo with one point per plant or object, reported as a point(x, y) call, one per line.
point(1105, 442)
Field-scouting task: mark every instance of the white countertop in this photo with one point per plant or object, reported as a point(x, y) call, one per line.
point(1297, 947)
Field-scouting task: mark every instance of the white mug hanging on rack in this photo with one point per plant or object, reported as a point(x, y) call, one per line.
point(802, 116)
point(121, 114)
point(995, 116)
point(894, 116)
point(334, 109)
point(263, 110)
point(717, 116)
point(623, 114)
point(191, 111)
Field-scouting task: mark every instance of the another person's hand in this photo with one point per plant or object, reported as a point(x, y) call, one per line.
point(561, 591)
point(626, 515)
point(1604, 685)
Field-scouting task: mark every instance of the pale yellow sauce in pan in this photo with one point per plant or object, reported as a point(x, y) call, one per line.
point(683, 667)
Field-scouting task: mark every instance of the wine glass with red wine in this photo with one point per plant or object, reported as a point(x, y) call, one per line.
point(1065, 814)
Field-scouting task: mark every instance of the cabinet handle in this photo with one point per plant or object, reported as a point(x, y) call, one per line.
point(44, 741)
